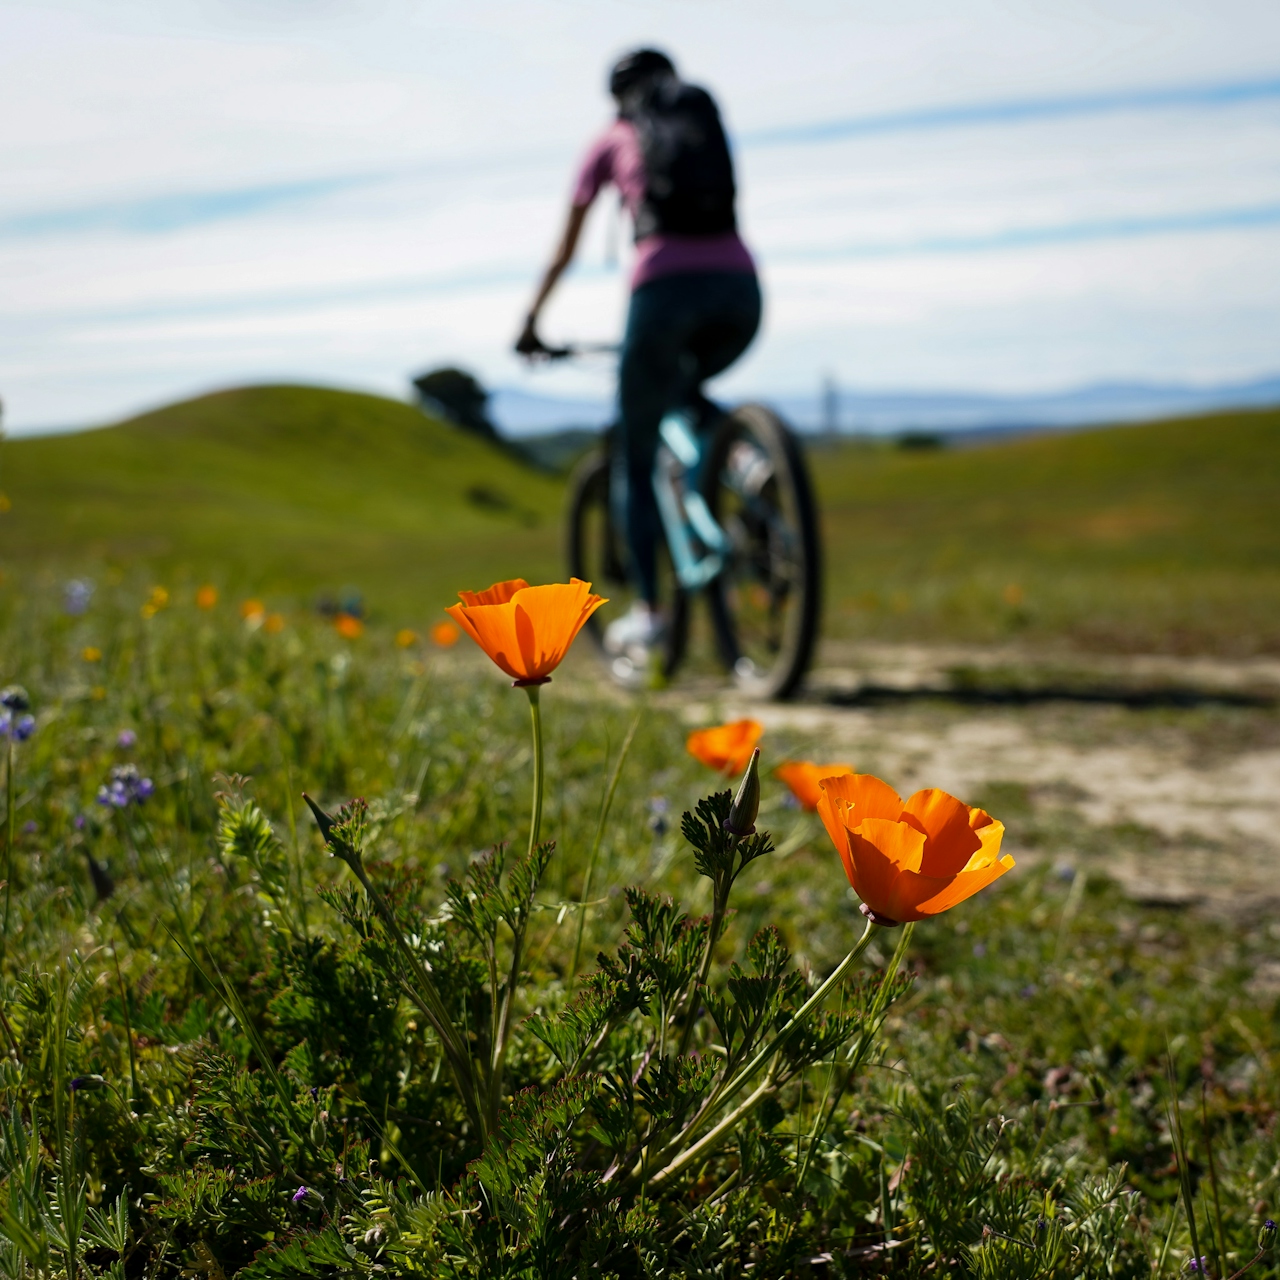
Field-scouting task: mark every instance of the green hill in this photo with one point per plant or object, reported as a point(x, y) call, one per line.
point(1162, 536)
point(284, 490)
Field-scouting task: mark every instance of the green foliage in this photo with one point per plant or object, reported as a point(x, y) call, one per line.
point(287, 1063)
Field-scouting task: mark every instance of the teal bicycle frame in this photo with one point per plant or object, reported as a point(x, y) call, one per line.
point(677, 486)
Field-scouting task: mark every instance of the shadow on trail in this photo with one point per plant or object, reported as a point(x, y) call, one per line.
point(1019, 695)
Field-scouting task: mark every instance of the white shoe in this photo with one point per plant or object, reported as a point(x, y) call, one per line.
point(635, 634)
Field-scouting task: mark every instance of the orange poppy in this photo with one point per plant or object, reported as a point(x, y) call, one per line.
point(206, 597)
point(802, 777)
point(444, 635)
point(252, 609)
point(726, 747)
point(274, 624)
point(908, 861)
point(526, 630)
point(348, 626)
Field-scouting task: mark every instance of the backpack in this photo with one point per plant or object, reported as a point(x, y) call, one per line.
point(689, 188)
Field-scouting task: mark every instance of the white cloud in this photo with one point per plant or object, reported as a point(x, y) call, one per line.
point(154, 239)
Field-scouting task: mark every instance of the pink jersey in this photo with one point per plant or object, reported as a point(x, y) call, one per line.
point(615, 157)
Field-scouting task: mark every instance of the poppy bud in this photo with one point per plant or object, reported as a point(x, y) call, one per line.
point(746, 804)
point(323, 820)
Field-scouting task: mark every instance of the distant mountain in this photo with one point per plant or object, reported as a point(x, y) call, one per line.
point(521, 413)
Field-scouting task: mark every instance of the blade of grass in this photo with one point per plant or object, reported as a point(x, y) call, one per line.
point(1220, 1239)
point(1178, 1138)
point(606, 804)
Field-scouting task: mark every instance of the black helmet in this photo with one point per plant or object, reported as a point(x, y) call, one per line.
point(637, 67)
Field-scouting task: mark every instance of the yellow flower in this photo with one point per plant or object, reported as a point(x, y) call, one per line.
point(406, 638)
point(91, 653)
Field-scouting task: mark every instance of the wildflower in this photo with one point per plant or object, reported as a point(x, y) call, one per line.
point(126, 738)
point(30, 827)
point(91, 653)
point(274, 624)
point(207, 596)
point(76, 596)
point(444, 635)
point(14, 698)
point(1199, 1265)
point(802, 778)
point(526, 630)
point(19, 728)
point(300, 1195)
point(726, 747)
point(254, 613)
point(909, 861)
point(87, 1084)
point(157, 600)
point(348, 626)
point(659, 807)
point(407, 638)
point(126, 786)
point(79, 822)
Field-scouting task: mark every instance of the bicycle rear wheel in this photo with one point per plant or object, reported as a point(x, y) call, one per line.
point(765, 605)
point(597, 554)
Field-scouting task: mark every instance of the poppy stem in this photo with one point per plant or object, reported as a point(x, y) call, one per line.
point(535, 711)
point(735, 1086)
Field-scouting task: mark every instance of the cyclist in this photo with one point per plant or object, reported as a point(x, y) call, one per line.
point(695, 299)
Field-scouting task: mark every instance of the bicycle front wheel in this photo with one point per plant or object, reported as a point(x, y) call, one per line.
point(597, 554)
point(766, 604)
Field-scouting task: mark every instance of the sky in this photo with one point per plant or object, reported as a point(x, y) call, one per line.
point(978, 195)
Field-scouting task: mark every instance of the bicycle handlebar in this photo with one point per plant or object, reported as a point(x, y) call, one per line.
point(573, 349)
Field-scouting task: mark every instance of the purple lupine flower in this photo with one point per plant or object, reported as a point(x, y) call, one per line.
point(125, 739)
point(1199, 1265)
point(76, 596)
point(30, 827)
point(1268, 1225)
point(15, 698)
point(300, 1195)
point(127, 786)
point(79, 822)
point(24, 727)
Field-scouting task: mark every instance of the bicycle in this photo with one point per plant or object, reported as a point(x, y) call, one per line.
point(740, 528)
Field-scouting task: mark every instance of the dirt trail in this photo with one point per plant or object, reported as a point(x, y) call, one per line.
point(1167, 770)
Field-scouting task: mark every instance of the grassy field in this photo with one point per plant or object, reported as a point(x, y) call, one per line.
point(1153, 538)
point(216, 1057)
point(213, 1063)
point(1149, 538)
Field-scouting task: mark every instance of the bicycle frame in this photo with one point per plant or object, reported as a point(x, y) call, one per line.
point(684, 512)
